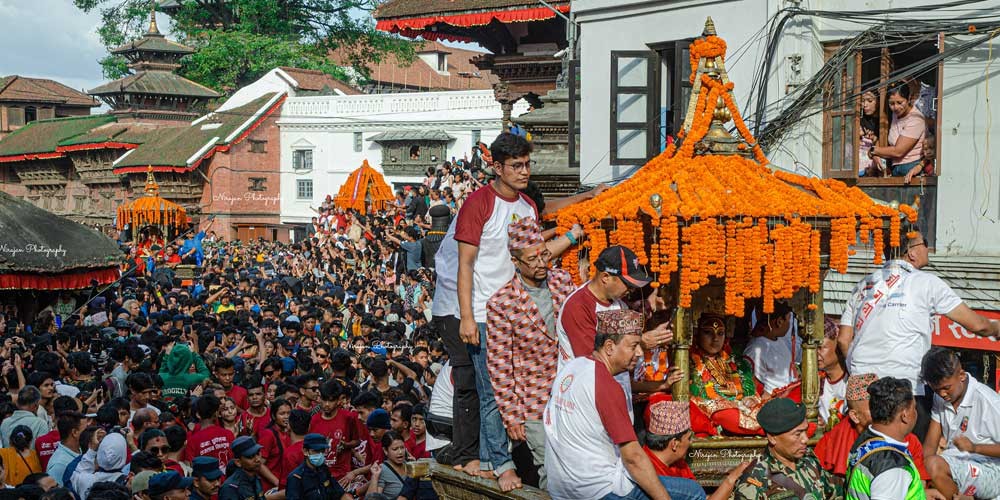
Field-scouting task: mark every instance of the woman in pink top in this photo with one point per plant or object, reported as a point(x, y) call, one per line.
point(906, 135)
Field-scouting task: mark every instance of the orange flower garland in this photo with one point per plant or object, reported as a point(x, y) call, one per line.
point(731, 217)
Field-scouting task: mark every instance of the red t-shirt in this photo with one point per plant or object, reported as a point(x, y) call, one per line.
point(272, 453)
point(294, 457)
point(239, 395)
point(211, 441)
point(418, 450)
point(339, 429)
point(46, 446)
point(256, 424)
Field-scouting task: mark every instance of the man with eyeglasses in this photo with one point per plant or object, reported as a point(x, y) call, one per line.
point(477, 242)
point(308, 394)
point(154, 442)
point(521, 337)
point(892, 311)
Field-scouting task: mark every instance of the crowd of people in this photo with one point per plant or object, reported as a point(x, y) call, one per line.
point(318, 369)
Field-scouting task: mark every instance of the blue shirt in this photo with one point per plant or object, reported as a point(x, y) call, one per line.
point(413, 253)
point(58, 462)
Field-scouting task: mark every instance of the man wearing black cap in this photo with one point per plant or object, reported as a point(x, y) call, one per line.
point(206, 474)
point(169, 486)
point(787, 466)
point(618, 271)
point(312, 479)
point(244, 484)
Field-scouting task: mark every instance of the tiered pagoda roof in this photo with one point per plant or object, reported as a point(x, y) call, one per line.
point(154, 89)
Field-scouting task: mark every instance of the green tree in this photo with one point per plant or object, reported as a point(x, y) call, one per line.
point(240, 40)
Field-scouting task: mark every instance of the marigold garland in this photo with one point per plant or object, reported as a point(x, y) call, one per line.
point(731, 217)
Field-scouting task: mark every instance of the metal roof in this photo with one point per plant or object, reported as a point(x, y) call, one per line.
point(412, 135)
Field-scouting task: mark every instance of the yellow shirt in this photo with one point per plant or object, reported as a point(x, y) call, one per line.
point(19, 467)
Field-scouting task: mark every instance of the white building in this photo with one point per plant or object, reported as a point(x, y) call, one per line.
point(324, 138)
point(633, 55)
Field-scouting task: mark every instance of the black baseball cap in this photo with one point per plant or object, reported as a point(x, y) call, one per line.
point(620, 261)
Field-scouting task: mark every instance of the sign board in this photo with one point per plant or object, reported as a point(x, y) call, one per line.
point(947, 333)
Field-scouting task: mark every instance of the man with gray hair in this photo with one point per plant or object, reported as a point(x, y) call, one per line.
point(28, 399)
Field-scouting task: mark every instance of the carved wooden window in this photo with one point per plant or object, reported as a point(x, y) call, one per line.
point(258, 146)
point(844, 122)
point(15, 117)
point(257, 184)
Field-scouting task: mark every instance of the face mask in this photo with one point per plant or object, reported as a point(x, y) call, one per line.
point(317, 460)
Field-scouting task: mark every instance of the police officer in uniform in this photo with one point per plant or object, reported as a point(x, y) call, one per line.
point(312, 479)
point(244, 484)
point(788, 468)
point(206, 473)
point(168, 486)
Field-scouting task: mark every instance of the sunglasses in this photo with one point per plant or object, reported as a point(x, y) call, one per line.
point(268, 374)
point(159, 450)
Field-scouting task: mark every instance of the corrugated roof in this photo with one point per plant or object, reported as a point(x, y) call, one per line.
point(412, 135)
point(43, 136)
point(25, 89)
point(174, 147)
point(976, 279)
point(155, 82)
point(461, 75)
point(422, 8)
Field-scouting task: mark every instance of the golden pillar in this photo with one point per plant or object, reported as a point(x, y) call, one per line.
point(681, 390)
point(812, 333)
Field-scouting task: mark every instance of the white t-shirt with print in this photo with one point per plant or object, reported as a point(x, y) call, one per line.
point(977, 418)
point(772, 360)
point(892, 311)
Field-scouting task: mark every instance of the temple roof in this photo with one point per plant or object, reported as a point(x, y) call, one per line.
point(182, 149)
point(156, 83)
point(31, 231)
point(153, 43)
point(43, 137)
point(461, 74)
point(413, 8)
point(24, 89)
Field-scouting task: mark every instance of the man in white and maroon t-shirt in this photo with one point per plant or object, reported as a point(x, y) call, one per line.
point(618, 271)
point(590, 445)
point(484, 265)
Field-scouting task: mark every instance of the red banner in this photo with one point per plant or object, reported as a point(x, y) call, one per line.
point(947, 333)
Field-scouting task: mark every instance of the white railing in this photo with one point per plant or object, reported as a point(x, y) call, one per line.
point(331, 106)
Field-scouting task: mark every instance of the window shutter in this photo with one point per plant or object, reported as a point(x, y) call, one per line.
point(634, 126)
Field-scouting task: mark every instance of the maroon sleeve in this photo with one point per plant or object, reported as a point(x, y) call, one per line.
point(611, 406)
point(475, 212)
point(579, 320)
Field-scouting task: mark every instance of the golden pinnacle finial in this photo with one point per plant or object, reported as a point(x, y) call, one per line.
point(153, 29)
point(152, 188)
point(709, 27)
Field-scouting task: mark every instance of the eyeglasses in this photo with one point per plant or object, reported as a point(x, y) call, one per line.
point(521, 166)
point(268, 374)
point(541, 259)
point(311, 388)
point(915, 245)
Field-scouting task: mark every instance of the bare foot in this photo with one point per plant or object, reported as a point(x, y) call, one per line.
point(487, 474)
point(509, 481)
point(471, 468)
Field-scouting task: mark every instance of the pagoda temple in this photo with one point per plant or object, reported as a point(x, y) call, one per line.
point(154, 91)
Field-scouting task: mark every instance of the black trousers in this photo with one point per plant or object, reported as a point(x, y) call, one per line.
point(465, 403)
point(441, 428)
point(924, 404)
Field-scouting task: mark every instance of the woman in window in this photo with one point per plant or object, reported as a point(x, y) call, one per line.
point(867, 166)
point(906, 135)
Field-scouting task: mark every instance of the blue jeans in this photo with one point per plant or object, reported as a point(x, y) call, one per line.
point(493, 446)
point(679, 488)
point(901, 169)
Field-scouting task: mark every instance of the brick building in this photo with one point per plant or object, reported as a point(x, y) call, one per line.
point(24, 100)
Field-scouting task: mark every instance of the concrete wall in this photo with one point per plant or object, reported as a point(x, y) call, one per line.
point(327, 124)
point(968, 197)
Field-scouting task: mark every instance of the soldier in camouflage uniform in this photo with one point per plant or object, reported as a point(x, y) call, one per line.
point(787, 469)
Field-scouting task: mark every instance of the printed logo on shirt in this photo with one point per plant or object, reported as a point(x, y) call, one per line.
point(514, 218)
point(965, 424)
point(970, 491)
point(566, 382)
point(973, 473)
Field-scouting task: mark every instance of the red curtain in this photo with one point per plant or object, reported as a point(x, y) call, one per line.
point(64, 281)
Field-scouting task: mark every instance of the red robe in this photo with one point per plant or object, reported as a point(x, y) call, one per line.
point(835, 446)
